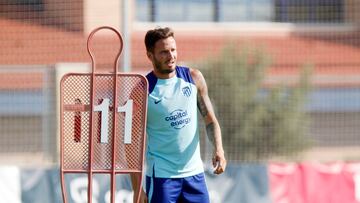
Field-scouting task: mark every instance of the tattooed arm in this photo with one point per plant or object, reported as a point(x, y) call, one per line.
point(213, 130)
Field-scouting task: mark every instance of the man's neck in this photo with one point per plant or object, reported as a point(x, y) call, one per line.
point(164, 75)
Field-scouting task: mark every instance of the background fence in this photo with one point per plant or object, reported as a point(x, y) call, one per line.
point(39, 34)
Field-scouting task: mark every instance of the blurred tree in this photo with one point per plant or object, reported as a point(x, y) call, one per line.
point(257, 122)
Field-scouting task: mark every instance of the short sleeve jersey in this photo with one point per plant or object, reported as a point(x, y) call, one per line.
point(173, 149)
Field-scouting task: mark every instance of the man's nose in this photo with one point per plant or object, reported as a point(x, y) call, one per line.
point(172, 55)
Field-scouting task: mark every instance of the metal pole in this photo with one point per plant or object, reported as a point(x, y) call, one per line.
point(216, 10)
point(126, 56)
point(152, 10)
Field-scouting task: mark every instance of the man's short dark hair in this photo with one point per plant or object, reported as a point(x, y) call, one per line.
point(152, 36)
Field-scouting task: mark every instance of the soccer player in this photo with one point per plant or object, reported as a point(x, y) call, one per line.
point(174, 169)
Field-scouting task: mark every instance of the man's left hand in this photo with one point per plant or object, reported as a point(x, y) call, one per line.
point(219, 162)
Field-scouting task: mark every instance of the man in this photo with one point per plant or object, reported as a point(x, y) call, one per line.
point(174, 167)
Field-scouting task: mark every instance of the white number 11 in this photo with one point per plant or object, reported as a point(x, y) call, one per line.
point(104, 109)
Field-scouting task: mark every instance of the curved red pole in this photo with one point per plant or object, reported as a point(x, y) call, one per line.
point(90, 172)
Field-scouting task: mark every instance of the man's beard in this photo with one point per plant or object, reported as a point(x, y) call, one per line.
point(158, 66)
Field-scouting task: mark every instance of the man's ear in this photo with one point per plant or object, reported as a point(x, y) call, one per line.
point(150, 55)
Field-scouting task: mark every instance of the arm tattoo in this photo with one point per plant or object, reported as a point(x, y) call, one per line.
point(202, 106)
point(211, 133)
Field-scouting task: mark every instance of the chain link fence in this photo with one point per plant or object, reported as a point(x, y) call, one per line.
point(321, 34)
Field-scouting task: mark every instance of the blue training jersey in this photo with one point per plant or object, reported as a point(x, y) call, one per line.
point(173, 149)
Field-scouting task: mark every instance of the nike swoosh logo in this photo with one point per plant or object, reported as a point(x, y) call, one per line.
point(157, 101)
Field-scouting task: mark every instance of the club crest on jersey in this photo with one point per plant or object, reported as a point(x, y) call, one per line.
point(186, 91)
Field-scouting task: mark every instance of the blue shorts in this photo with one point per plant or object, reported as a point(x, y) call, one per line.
point(171, 190)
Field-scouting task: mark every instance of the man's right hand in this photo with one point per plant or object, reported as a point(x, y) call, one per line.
point(143, 197)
